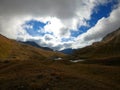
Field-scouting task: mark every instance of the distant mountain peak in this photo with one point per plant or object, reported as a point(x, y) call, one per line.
point(32, 43)
point(68, 51)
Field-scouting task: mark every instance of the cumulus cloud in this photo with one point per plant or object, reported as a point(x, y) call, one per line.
point(101, 29)
point(62, 17)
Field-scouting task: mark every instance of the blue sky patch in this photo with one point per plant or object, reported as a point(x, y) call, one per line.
point(98, 13)
point(37, 27)
point(67, 39)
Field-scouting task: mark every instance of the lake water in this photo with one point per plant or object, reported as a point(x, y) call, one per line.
point(75, 61)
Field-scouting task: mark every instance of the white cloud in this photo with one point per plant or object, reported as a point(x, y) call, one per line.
point(101, 29)
point(11, 27)
point(56, 26)
point(63, 16)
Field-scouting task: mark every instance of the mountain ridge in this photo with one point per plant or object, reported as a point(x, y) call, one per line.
point(108, 47)
point(32, 43)
point(36, 45)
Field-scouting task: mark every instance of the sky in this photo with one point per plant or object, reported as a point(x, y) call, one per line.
point(59, 24)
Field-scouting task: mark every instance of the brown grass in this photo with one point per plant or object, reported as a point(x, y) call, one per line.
point(58, 75)
point(12, 50)
point(5, 47)
point(24, 67)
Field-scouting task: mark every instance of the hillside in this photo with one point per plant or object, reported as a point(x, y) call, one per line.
point(13, 50)
point(5, 47)
point(109, 47)
point(24, 67)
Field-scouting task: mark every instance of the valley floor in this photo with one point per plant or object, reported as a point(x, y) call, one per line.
point(58, 75)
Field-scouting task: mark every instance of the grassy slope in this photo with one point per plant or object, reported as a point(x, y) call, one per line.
point(26, 52)
point(100, 51)
point(5, 47)
point(12, 50)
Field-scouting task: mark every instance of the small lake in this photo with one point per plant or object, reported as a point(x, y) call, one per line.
point(75, 61)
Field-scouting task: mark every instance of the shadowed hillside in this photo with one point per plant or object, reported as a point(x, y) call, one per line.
point(109, 47)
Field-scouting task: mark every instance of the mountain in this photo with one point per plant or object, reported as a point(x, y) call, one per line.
point(36, 45)
point(109, 47)
point(65, 51)
point(68, 51)
point(24, 67)
point(13, 50)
